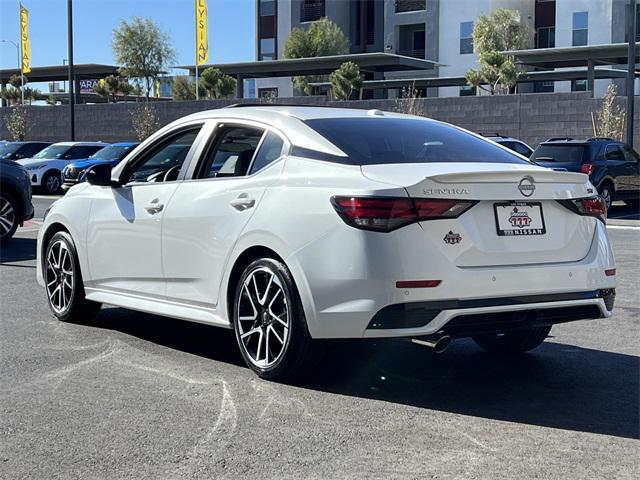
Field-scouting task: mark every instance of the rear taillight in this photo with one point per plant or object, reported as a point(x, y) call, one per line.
point(384, 214)
point(587, 168)
point(590, 206)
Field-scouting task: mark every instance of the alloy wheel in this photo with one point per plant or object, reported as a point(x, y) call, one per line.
point(53, 183)
point(7, 217)
point(59, 276)
point(262, 316)
point(606, 196)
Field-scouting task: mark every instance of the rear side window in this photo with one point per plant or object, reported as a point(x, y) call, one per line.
point(270, 150)
point(371, 141)
point(613, 152)
point(574, 154)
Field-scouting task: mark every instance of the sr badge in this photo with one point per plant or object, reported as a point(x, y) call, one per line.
point(452, 238)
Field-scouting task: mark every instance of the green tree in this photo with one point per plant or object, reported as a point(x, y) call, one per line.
point(321, 39)
point(143, 50)
point(609, 119)
point(217, 84)
point(183, 88)
point(346, 80)
point(492, 34)
point(111, 86)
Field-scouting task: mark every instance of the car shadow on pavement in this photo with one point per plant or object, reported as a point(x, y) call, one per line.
point(557, 385)
point(18, 249)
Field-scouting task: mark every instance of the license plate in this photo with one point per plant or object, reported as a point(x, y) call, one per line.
point(519, 218)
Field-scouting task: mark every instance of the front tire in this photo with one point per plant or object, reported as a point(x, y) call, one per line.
point(269, 321)
point(63, 282)
point(51, 182)
point(518, 341)
point(8, 216)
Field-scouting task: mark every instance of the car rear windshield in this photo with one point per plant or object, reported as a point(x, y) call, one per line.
point(370, 141)
point(574, 154)
point(8, 149)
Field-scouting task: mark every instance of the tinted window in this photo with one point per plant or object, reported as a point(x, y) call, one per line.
point(112, 152)
point(53, 151)
point(560, 153)
point(630, 154)
point(231, 152)
point(8, 149)
point(369, 141)
point(30, 149)
point(270, 150)
point(165, 160)
point(522, 149)
point(81, 151)
point(613, 152)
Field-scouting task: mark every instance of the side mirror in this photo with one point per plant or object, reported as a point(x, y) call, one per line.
point(100, 175)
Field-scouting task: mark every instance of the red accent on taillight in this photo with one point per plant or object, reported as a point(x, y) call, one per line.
point(384, 214)
point(418, 283)
point(610, 272)
point(594, 206)
point(587, 168)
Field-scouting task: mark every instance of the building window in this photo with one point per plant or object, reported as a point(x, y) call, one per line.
point(467, 91)
point(267, 8)
point(267, 49)
point(312, 10)
point(546, 37)
point(466, 38)
point(579, 86)
point(410, 5)
point(580, 28)
point(543, 87)
point(626, 32)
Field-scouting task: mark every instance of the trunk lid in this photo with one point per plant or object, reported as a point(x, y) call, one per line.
point(517, 219)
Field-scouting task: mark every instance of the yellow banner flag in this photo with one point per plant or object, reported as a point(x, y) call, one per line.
point(25, 42)
point(202, 32)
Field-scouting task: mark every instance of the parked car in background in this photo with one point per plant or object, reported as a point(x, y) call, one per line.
point(20, 150)
point(514, 144)
point(112, 154)
point(15, 198)
point(293, 225)
point(613, 167)
point(45, 168)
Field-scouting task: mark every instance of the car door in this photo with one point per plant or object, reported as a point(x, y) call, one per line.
point(125, 223)
point(208, 213)
point(623, 171)
point(633, 166)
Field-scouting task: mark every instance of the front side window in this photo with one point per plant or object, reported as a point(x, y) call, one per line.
point(231, 152)
point(580, 28)
point(53, 151)
point(82, 151)
point(370, 141)
point(270, 150)
point(112, 152)
point(629, 154)
point(613, 152)
point(164, 162)
point(466, 38)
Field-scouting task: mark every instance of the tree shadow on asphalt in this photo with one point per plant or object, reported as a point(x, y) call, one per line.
point(557, 385)
point(17, 250)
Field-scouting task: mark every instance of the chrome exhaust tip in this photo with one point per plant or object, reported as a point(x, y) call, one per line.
point(438, 342)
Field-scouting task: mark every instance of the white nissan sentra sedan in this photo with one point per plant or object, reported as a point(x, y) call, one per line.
point(292, 225)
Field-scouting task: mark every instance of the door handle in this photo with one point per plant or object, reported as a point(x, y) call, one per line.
point(243, 202)
point(154, 207)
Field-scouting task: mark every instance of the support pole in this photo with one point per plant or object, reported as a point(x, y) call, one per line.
point(239, 86)
point(631, 66)
point(591, 74)
point(197, 81)
point(72, 113)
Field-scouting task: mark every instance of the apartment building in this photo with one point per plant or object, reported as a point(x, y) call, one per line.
point(439, 30)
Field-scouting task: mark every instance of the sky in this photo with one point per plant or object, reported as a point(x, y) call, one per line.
point(231, 29)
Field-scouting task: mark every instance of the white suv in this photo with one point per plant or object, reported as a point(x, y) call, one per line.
point(292, 225)
point(45, 168)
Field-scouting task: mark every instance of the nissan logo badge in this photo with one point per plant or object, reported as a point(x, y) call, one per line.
point(526, 186)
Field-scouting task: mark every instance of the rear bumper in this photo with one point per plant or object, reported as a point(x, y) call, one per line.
point(463, 318)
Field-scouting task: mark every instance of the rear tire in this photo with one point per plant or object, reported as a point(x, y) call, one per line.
point(63, 282)
point(606, 192)
point(269, 322)
point(518, 341)
point(9, 216)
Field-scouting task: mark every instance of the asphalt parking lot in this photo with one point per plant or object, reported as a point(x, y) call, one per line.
point(140, 396)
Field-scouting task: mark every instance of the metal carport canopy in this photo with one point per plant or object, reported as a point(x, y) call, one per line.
point(61, 72)
point(290, 67)
point(559, 57)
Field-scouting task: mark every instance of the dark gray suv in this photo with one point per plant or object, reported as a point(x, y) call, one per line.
point(15, 198)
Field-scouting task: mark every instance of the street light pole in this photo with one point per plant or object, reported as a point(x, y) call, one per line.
point(72, 113)
point(19, 56)
point(631, 65)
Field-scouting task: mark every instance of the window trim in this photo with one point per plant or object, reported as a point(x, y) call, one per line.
point(212, 132)
point(158, 142)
